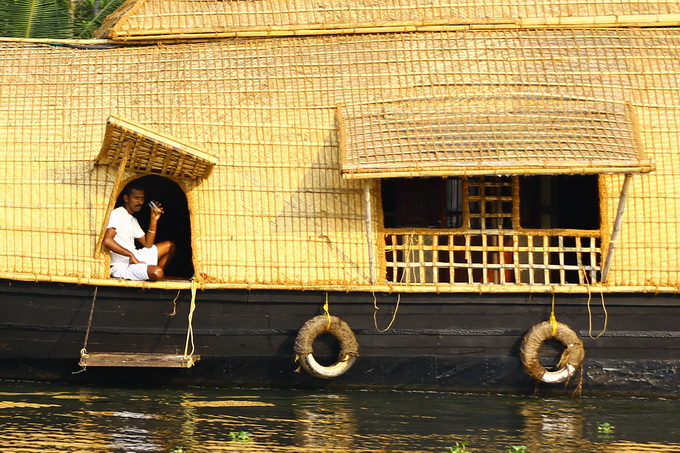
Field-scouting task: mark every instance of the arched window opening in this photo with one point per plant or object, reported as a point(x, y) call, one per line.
point(174, 225)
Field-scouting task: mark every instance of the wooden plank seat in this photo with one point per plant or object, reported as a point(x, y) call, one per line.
point(146, 360)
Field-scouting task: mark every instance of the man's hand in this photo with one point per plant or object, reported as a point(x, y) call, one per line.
point(156, 211)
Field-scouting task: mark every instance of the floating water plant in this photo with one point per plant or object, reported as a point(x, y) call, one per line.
point(460, 447)
point(605, 428)
point(242, 436)
point(516, 448)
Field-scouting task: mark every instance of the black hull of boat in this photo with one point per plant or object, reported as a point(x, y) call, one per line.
point(445, 342)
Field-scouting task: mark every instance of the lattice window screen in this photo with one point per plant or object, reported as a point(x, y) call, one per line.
point(492, 248)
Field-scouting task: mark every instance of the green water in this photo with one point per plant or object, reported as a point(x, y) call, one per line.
point(57, 418)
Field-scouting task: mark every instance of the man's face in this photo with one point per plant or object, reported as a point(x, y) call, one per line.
point(135, 201)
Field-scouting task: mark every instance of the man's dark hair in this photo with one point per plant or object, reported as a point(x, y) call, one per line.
point(127, 190)
point(130, 187)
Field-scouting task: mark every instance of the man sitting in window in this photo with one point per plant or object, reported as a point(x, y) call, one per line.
point(128, 262)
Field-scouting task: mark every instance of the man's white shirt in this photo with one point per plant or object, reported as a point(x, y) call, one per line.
point(127, 230)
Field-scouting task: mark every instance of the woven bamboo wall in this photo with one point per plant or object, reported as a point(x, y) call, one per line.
point(183, 18)
point(276, 211)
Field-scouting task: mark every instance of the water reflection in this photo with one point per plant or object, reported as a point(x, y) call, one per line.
point(549, 423)
point(324, 417)
point(49, 417)
point(129, 438)
point(636, 447)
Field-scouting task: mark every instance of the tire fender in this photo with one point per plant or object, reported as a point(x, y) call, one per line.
point(304, 346)
point(571, 357)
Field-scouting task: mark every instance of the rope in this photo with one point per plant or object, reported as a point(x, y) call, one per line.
point(174, 304)
point(190, 329)
point(590, 313)
point(590, 317)
point(326, 312)
point(553, 319)
point(83, 351)
point(408, 251)
point(375, 313)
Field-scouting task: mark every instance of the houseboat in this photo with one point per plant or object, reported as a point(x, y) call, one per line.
point(471, 196)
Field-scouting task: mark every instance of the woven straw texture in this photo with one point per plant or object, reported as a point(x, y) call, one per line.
point(487, 135)
point(276, 210)
point(163, 19)
point(135, 147)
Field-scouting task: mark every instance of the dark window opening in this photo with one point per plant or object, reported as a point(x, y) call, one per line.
point(562, 201)
point(175, 223)
point(489, 245)
point(422, 202)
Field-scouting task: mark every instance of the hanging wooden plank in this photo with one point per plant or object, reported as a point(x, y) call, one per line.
point(143, 360)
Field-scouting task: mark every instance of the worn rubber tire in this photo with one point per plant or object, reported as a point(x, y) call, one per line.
point(571, 358)
point(304, 346)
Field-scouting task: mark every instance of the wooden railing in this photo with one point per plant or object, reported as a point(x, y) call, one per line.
point(492, 257)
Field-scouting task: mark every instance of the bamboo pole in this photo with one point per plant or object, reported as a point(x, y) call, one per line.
point(368, 209)
point(393, 288)
point(391, 26)
point(617, 226)
point(112, 201)
point(567, 169)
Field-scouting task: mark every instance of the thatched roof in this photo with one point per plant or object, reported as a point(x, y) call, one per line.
point(187, 19)
point(275, 211)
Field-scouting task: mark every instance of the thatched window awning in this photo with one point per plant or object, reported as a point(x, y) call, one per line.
point(488, 135)
point(140, 149)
